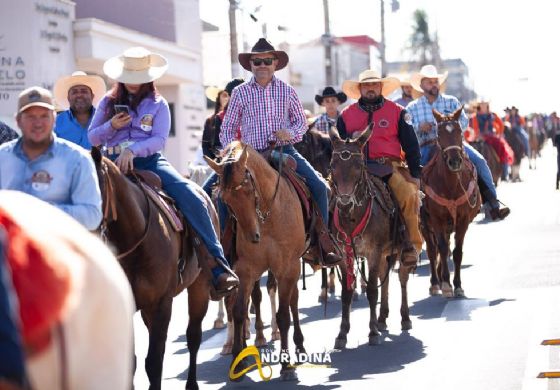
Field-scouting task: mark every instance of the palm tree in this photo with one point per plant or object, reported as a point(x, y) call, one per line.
point(421, 44)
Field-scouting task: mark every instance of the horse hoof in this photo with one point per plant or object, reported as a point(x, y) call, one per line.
point(226, 350)
point(288, 374)
point(275, 336)
point(340, 343)
point(459, 292)
point(260, 342)
point(219, 324)
point(374, 340)
point(435, 291)
point(406, 325)
point(382, 326)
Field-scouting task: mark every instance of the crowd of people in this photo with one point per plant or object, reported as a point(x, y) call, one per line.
point(131, 123)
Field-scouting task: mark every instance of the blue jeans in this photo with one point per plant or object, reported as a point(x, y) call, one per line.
point(476, 158)
point(317, 185)
point(524, 137)
point(11, 355)
point(191, 204)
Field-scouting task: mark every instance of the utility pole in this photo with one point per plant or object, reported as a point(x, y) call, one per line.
point(235, 70)
point(327, 42)
point(383, 61)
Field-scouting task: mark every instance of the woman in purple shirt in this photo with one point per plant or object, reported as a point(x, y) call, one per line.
point(135, 135)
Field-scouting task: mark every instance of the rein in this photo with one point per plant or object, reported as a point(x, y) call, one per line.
point(111, 211)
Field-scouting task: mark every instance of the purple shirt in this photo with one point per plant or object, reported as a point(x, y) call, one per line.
point(148, 129)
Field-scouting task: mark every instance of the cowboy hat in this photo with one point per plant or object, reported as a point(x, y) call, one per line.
point(212, 93)
point(352, 88)
point(427, 72)
point(330, 92)
point(135, 65)
point(405, 82)
point(63, 85)
point(261, 47)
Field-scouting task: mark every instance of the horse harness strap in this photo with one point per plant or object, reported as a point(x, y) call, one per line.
point(452, 204)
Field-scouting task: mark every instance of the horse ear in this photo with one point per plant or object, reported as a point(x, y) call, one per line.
point(334, 134)
point(96, 155)
point(364, 137)
point(244, 156)
point(457, 114)
point(214, 165)
point(437, 115)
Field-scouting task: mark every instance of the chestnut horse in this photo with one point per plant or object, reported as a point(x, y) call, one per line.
point(491, 158)
point(270, 236)
point(362, 224)
point(148, 249)
point(453, 200)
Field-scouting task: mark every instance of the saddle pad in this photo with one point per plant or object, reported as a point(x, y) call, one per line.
point(166, 208)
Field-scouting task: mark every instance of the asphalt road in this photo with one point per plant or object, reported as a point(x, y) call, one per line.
point(488, 340)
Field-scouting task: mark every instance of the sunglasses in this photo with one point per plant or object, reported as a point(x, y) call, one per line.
point(260, 61)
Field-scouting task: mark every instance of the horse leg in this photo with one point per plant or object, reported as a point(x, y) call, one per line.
point(239, 314)
point(298, 334)
point(227, 347)
point(157, 320)
point(286, 287)
point(324, 282)
point(219, 321)
point(460, 232)
point(443, 271)
point(384, 309)
point(406, 323)
point(198, 306)
point(256, 297)
point(372, 294)
point(431, 251)
point(271, 287)
point(332, 278)
point(346, 298)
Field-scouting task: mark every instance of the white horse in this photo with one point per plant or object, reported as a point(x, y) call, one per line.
point(91, 341)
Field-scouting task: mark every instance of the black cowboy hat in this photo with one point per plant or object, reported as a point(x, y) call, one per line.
point(330, 92)
point(263, 46)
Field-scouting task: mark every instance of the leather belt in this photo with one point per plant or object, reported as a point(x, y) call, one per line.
point(386, 160)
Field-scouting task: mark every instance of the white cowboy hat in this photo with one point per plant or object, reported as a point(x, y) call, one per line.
point(212, 93)
point(427, 72)
point(352, 88)
point(136, 65)
point(63, 85)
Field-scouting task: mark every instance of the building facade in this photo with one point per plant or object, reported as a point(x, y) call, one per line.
point(61, 36)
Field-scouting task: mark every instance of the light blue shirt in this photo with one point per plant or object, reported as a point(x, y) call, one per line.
point(421, 111)
point(68, 127)
point(64, 176)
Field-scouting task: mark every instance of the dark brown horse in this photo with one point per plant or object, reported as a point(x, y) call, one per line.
point(362, 224)
point(270, 236)
point(491, 158)
point(514, 140)
point(452, 202)
point(148, 249)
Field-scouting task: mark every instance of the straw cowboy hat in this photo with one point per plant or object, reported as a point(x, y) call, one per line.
point(427, 72)
point(136, 65)
point(212, 92)
point(330, 92)
point(352, 88)
point(261, 47)
point(63, 85)
point(405, 82)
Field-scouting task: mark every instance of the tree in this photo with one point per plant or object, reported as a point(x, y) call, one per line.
point(422, 46)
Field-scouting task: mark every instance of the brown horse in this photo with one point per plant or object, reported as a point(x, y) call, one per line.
point(491, 158)
point(362, 224)
point(514, 140)
point(270, 236)
point(453, 200)
point(148, 249)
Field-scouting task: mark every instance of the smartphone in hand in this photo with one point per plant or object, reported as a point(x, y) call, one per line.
point(122, 108)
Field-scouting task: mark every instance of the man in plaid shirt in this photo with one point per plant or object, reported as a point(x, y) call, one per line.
point(266, 109)
point(7, 133)
point(428, 81)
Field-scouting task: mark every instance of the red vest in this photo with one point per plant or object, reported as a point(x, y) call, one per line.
point(384, 141)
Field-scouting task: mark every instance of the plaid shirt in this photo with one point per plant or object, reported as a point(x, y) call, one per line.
point(7, 133)
point(260, 112)
point(421, 111)
point(324, 123)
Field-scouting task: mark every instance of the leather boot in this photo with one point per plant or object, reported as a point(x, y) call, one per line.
point(227, 280)
point(488, 197)
point(331, 254)
point(409, 256)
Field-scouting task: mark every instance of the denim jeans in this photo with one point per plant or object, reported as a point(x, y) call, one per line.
point(191, 204)
point(317, 185)
point(476, 158)
point(524, 137)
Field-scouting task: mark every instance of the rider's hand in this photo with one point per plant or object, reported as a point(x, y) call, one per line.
point(120, 120)
point(124, 161)
point(283, 135)
point(425, 127)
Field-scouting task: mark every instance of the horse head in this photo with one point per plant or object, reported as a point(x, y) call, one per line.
point(106, 172)
point(450, 139)
point(238, 188)
point(348, 166)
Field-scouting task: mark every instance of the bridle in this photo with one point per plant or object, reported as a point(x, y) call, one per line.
point(110, 210)
point(346, 155)
point(451, 147)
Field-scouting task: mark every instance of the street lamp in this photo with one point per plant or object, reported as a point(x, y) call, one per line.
point(395, 5)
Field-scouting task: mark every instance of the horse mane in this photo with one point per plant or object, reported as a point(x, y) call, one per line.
point(232, 153)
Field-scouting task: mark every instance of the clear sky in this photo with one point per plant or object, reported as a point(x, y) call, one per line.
point(511, 47)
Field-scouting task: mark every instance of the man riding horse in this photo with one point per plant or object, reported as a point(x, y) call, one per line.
point(428, 81)
point(392, 133)
point(266, 110)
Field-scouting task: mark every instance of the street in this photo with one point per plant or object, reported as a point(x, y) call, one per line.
point(488, 340)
